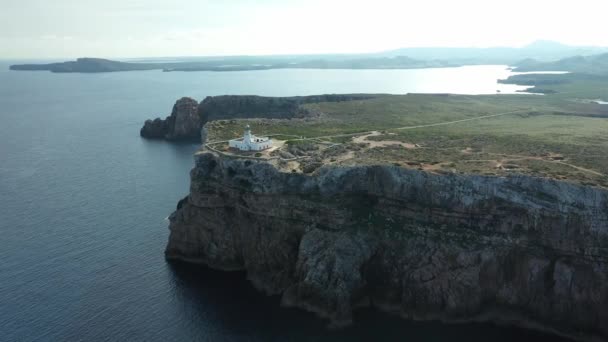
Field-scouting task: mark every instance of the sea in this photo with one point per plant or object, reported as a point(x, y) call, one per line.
point(84, 203)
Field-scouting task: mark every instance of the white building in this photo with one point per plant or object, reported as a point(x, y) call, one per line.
point(250, 142)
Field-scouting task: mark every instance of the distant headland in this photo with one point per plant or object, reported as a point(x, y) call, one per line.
point(535, 55)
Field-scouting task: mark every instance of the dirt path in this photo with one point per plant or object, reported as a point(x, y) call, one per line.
point(462, 120)
point(511, 158)
point(380, 143)
point(418, 126)
point(580, 168)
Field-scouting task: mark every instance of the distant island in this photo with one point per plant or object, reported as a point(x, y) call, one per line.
point(530, 56)
point(86, 65)
point(95, 65)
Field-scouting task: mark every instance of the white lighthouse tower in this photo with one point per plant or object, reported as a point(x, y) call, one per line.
point(247, 135)
point(250, 142)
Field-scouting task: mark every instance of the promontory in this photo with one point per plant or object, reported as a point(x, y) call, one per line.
point(431, 207)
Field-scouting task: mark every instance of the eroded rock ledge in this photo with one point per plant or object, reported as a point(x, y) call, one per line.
point(519, 250)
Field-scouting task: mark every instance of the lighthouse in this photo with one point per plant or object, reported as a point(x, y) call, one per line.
point(250, 142)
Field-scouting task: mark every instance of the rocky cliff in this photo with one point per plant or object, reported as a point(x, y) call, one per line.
point(183, 123)
point(252, 106)
point(187, 119)
point(518, 250)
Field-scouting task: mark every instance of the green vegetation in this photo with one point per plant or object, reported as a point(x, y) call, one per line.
point(560, 136)
point(566, 86)
point(557, 146)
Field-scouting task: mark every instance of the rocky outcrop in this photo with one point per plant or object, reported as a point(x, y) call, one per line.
point(518, 250)
point(183, 123)
point(186, 120)
point(155, 129)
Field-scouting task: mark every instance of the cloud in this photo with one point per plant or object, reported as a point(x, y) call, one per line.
point(56, 37)
point(135, 28)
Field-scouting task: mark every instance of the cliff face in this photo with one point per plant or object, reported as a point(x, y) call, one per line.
point(183, 123)
point(252, 106)
point(520, 250)
point(187, 119)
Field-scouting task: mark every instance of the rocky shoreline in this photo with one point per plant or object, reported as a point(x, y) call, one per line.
point(518, 250)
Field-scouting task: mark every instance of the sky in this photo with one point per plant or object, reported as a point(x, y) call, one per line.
point(162, 28)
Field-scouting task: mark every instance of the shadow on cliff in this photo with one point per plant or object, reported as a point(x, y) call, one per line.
point(229, 300)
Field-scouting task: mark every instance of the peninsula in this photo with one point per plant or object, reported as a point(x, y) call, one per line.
point(450, 207)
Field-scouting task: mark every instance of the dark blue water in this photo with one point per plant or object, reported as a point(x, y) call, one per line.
point(83, 201)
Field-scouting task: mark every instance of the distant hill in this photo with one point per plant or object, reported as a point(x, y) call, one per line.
point(541, 50)
point(596, 64)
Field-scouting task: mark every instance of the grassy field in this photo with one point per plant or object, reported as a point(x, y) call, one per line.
point(558, 135)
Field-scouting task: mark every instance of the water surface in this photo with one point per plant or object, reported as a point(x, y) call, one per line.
point(83, 202)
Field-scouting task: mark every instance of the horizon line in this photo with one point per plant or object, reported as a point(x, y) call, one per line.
point(555, 42)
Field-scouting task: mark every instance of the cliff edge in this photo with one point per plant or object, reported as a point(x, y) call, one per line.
point(518, 250)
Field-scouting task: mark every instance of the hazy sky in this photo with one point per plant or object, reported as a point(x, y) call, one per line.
point(136, 28)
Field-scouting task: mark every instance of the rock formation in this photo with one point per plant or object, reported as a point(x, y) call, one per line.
point(186, 119)
point(183, 123)
point(518, 250)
